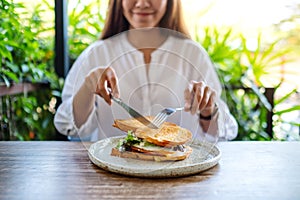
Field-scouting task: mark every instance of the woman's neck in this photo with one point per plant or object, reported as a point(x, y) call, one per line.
point(146, 38)
point(146, 41)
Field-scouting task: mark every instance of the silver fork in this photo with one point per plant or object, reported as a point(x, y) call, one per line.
point(161, 117)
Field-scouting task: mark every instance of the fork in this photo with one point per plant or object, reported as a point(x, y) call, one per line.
point(161, 117)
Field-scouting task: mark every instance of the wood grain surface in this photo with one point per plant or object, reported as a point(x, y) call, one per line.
point(62, 170)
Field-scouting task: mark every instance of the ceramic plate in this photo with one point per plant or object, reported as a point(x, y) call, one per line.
point(203, 157)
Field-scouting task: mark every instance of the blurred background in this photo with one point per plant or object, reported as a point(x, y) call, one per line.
point(255, 46)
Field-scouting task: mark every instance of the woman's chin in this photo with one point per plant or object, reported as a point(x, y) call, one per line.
point(143, 26)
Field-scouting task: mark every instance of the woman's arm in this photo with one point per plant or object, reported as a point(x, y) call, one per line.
point(95, 83)
point(214, 115)
point(201, 99)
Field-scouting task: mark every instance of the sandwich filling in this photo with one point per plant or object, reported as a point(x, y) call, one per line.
point(134, 144)
point(167, 143)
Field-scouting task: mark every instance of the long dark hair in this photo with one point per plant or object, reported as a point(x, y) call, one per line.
point(116, 23)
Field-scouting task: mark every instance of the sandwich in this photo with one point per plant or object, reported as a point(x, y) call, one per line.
point(168, 143)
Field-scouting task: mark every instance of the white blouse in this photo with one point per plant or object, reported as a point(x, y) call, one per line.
point(173, 65)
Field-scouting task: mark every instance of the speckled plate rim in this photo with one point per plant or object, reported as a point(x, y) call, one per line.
point(139, 168)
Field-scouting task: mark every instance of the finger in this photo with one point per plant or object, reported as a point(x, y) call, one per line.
point(210, 106)
point(212, 99)
point(103, 84)
point(101, 91)
point(197, 89)
point(187, 99)
point(113, 83)
point(189, 96)
point(199, 95)
point(204, 98)
point(92, 79)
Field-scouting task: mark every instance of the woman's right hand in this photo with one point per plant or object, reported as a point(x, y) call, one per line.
point(99, 80)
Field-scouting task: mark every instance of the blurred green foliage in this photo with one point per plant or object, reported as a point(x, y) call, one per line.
point(26, 55)
point(86, 21)
point(241, 70)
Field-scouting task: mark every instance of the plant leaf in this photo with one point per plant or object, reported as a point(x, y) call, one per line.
point(282, 99)
point(294, 108)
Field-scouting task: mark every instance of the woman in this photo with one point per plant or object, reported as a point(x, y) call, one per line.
point(145, 57)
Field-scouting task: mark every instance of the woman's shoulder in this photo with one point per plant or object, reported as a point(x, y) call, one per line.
point(106, 45)
point(91, 53)
point(96, 45)
point(186, 45)
point(96, 48)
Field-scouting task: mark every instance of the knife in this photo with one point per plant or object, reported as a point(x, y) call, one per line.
point(133, 112)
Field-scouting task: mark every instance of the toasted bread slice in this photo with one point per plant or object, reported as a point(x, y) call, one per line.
point(152, 157)
point(169, 134)
point(130, 124)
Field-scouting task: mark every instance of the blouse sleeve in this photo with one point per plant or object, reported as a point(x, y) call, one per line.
point(64, 118)
point(228, 127)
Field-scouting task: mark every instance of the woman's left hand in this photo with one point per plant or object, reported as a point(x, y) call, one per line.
point(200, 98)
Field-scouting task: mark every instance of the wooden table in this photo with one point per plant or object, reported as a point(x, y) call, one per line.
point(62, 170)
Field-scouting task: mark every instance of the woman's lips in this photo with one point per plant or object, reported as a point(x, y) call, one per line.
point(143, 14)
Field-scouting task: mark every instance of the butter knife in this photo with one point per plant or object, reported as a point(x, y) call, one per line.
point(133, 112)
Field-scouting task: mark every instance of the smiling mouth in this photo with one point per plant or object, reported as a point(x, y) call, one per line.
point(143, 14)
